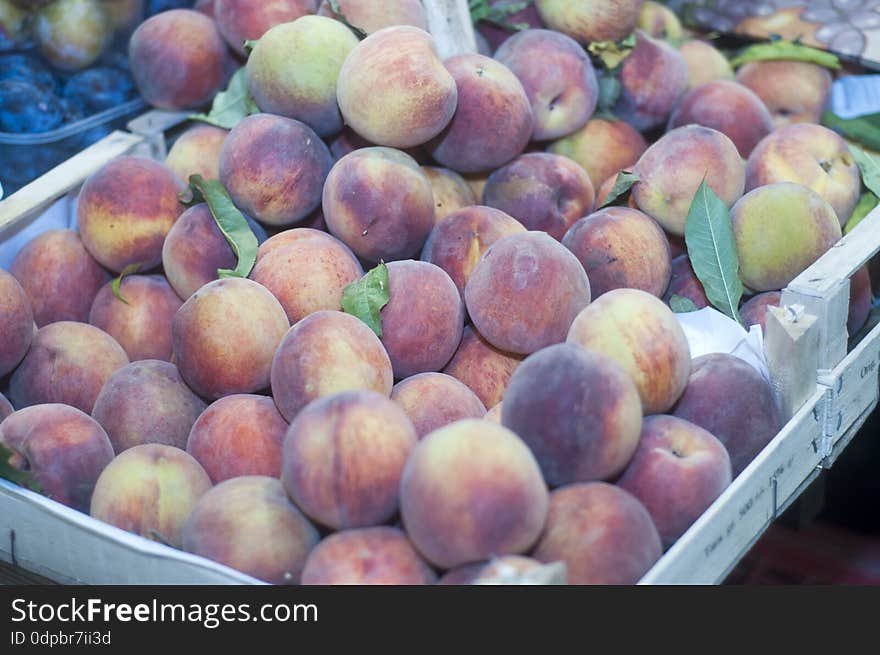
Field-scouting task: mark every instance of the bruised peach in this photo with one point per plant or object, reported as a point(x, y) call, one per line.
point(432, 400)
point(16, 323)
point(483, 368)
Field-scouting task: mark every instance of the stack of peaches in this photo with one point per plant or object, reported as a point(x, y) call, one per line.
point(527, 397)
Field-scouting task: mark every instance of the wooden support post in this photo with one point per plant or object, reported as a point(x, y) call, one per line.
point(152, 126)
point(791, 345)
point(449, 22)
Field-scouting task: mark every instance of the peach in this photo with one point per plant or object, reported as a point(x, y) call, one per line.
point(307, 275)
point(274, 168)
point(728, 398)
point(16, 323)
point(643, 336)
point(457, 242)
point(578, 411)
point(125, 209)
point(433, 400)
point(347, 141)
point(150, 490)
point(730, 108)
point(793, 91)
point(811, 155)
point(590, 20)
point(141, 320)
point(558, 78)
point(72, 34)
point(542, 191)
point(621, 247)
point(705, 63)
point(205, 6)
point(678, 471)
point(326, 353)
point(525, 291)
point(602, 147)
point(6, 407)
point(659, 21)
point(367, 556)
point(604, 535)
point(147, 402)
point(64, 449)
point(123, 14)
point(483, 368)
point(653, 78)
point(506, 570)
point(781, 229)
point(343, 458)
point(462, 575)
point(490, 36)
point(59, 277)
point(178, 59)
point(67, 363)
point(379, 203)
point(197, 152)
point(753, 311)
point(495, 413)
point(493, 119)
point(423, 320)
point(685, 283)
point(249, 524)
point(451, 191)
point(225, 335)
point(472, 490)
point(393, 89)
point(860, 299)
point(371, 16)
point(293, 71)
point(238, 435)
point(241, 20)
point(671, 170)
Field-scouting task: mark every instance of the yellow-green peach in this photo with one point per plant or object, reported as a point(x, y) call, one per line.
point(433, 400)
point(140, 318)
point(379, 203)
point(621, 247)
point(343, 458)
point(72, 34)
point(150, 490)
point(274, 168)
point(225, 335)
point(811, 155)
point(542, 191)
point(326, 353)
point(578, 411)
point(659, 21)
point(451, 191)
point(394, 90)
point(125, 210)
point(241, 20)
point(371, 16)
point(642, 335)
point(525, 291)
point(780, 230)
point(69, 363)
point(366, 556)
point(16, 323)
point(483, 368)
point(705, 63)
point(793, 91)
point(454, 511)
point(59, 276)
point(602, 147)
point(147, 402)
point(558, 78)
point(64, 449)
point(671, 170)
point(197, 152)
point(249, 524)
point(604, 535)
point(293, 70)
point(238, 435)
point(730, 108)
point(590, 20)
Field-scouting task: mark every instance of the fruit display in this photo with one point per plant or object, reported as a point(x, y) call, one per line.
point(385, 318)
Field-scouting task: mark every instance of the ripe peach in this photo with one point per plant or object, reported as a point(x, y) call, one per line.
point(793, 91)
point(483, 368)
point(590, 20)
point(72, 34)
point(685, 283)
point(659, 21)
point(16, 323)
point(860, 299)
point(372, 16)
point(705, 63)
point(197, 152)
point(241, 20)
point(451, 191)
point(6, 407)
point(753, 311)
point(432, 400)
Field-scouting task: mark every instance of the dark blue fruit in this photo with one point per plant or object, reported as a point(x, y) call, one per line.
point(97, 89)
point(26, 69)
point(24, 108)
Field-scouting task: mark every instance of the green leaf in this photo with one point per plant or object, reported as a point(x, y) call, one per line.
point(366, 297)
point(612, 53)
point(711, 247)
point(358, 32)
point(498, 15)
point(869, 165)
point(9, 472)
point(789, 50)
point(624, 182)
point(864, 129)
point(128, 270)
point(232, 105)
point(866, 203)
point(250, 44)
point(681, 305)
point(232, 224)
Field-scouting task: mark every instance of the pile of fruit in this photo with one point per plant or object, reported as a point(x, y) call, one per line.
point(383, 318)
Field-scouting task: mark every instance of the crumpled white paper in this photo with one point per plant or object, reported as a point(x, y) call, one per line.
point(709, 331)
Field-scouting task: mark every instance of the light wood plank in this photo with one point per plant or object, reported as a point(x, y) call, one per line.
point(449, 22)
